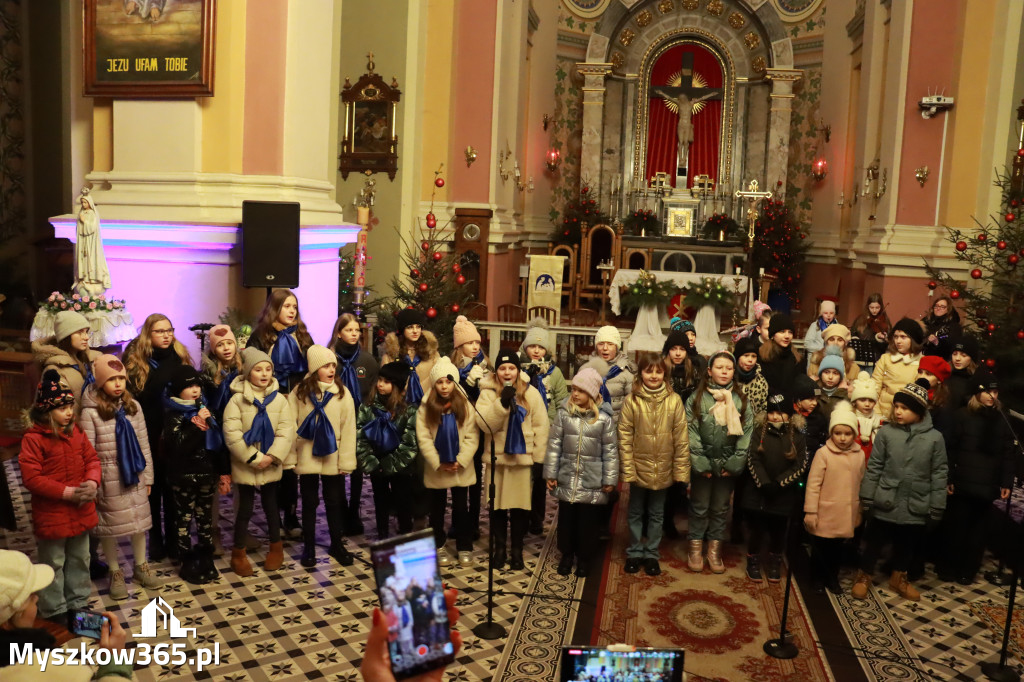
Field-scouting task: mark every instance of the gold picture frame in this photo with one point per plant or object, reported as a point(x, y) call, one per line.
point(679, 221)
point(370, 143)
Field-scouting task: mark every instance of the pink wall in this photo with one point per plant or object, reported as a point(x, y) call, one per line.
point(266, 27)
point(930, 69)
point(503, 280)
point(472, 91)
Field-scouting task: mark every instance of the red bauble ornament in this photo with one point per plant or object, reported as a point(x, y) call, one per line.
point(976, 273)
point(1013, 259)
point(1014, 203)
point(990, 327)
point(415, 273)
point(423, 287)
point(456, 307)
point(439, 181)
point(990, 363)
point(431, 221)
point(982, 237)
point(1010, 217)
point(1020, 152)
point(585, 190)
point(1020, 334)
point(431, 313)
point(961, 246)
point(461, 279)
point(425, 246)
point(1001, 245)
point(933, 285)
point(437, 256)
point(456, 268)
point(954, 294)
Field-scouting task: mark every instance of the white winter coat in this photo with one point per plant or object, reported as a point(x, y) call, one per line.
point(469, 438)
point(341, 413)
point(238, 416)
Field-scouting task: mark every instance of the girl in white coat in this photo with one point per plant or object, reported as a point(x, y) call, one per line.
point(325, 450)
point(447, 435)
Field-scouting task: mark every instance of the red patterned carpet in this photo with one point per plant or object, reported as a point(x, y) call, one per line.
point(721, 621)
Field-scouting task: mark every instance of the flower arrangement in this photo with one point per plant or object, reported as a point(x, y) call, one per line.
point(59, 302)
point(721, 225)
point(584, 210)
point(643, 222)
point(710, 291)
point(647, 291)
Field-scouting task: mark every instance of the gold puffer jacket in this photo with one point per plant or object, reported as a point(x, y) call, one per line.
point(654, 445)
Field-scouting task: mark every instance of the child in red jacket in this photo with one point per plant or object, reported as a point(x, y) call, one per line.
point(60, 468)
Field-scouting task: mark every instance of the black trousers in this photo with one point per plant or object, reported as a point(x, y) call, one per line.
point(577, 530)
point(288, 491)
point(460, 517)
point(520, 520)
point(826, 555)
point(905, 539)
point(334, 505)
point(966, 518)
point(355, 493)
point(763, 524)
point(161, 497)
point(246, 498)
point(538, 496)
point(392, 494)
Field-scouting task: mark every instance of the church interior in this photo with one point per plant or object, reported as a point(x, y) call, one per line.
point(561, 175)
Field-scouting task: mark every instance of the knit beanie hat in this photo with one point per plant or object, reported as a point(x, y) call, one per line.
point(19, 579)
point(52, 392)
point(220, 332)
point(537, 334)
point(396, 372)
point(443, 368)
point(683, 325)
point(252, 357)
point(67, 322)
point(589, 381)
point(864, 387)
point(937, 366)
point(748, 344)
point(778, 403)
point(967, 344)
point(508, 357)
point(106, 367)
point(607, 333)
point(836, 329)
point(317, 356)
point(827, 307)
point(914, 396)
point(803, 388)
point(676, 337)
point(464, 331)
point(182, 377)
point(983, 380)
point(833, 360)
point(843, 414)
point(407, 318)
point(911, 328)
point(780, 322)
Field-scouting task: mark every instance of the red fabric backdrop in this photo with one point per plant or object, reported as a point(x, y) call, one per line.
point(661, 122)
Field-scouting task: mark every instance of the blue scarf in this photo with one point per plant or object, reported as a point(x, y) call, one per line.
point(823, 325)
point(612, 373)
point(153, 363)
point(130, 460)
point(87, 374)
point(349, 377)
point(287, 357)
point(261, 431)
point(515, 442)
point(214, 438)
point(382, 432)
point(472, 392)
point(538, 383)
point(317, 427)
point(221, 394)
point(447, 439)
point(413, 389)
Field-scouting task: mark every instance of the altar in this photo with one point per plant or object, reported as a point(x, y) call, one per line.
point(624, 277)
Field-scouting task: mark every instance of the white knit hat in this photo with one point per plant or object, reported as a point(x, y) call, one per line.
point(317, 356)
point(610, 334)
point(864, 387)
point(252, 357)
point(443, 368)
point(537, 334)
point(67, 322)
point(827, 306)
point(843, 414)
point(19, 578)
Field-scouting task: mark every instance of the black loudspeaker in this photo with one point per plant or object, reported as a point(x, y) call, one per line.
point(270, 244)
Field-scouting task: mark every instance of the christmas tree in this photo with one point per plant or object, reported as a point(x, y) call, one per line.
point(583, 210)
point(993, 298)
point(780, 247)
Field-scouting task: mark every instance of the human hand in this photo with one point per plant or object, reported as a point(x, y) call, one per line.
point(476, 373)
point(726, 473)
point(204, 414)
point(376, 666)
point(265, 463)
point(451, 468)
point(810, 522)
point(73, 494)
point(224, 484)
point(949, 489)
point(933, 339)
point(707, 475)
point(88, 489)
point(112, 635)
point(880, 337)
point(552, 483)
point(607, 488)
point(508, 394)
point(1004, 493)
point(149, 490)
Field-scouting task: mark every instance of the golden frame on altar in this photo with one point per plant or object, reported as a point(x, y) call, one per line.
point(679, 221)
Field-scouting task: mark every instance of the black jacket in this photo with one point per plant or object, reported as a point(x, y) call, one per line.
point(780, 372)
point(980, 453)
point(151, 394)
point(959, 386)
point(774, 485)
point(185, 453)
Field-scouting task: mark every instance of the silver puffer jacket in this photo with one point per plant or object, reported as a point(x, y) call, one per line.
point(583, 455)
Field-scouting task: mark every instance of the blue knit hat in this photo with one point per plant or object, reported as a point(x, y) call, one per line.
point(832, 360)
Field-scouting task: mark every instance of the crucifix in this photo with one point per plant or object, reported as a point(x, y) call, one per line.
point(686, 97)
point(752, 195)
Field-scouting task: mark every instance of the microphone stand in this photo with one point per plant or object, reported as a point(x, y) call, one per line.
point(780, 648)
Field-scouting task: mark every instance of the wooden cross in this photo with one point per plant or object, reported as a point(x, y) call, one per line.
point(686, 87)
point(752, 195)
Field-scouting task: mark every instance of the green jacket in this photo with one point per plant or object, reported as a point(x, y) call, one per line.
point(398, 461)
point(712, 450)
point(906, 478)
point(557, 389)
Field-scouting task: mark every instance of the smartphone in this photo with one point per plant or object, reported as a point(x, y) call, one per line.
point(620, 663)
point(412, 599)
point(86, 623)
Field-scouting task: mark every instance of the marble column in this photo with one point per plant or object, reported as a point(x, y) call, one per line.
point(780, 114)
point(593, 120)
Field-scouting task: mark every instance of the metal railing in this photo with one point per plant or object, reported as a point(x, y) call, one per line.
point(572, 344)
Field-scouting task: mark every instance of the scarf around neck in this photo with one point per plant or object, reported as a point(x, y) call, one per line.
point(724, 410)
point(316, 427)
point(472, 392)
point(381, 431)
point(447, 438)
point(537, 381)
point(413, 388)
point(188, 408)
point(347, 356)
point(261, 431)
point(286, 356)
point(221, 394)
point(515, 441)
point(612, 373)
point(130, 460)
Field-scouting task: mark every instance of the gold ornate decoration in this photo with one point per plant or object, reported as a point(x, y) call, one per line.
point(716, 7)
point(644, 18)
point(752, 40)
point(618, 59)
point(690, 4)
point(674, 81)
point(666, 6)
point(758, 65)
point(626, 37)
point(737, 21)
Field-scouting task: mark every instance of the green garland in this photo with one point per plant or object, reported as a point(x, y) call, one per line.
point(718, 223)
point(710, 291)
point(643, 222)
point(647, 291)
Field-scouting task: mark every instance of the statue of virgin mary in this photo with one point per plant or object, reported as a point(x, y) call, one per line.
point(91, 274)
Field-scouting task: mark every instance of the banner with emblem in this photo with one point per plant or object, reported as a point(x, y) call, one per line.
point(545, 282)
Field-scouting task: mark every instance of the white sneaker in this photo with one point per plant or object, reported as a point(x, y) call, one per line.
point(466, 558)
point(443, 557)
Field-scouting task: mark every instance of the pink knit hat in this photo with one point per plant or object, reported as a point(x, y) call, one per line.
point(589, 381)
point(220, 332)
point(464, 331)
point(107, 367)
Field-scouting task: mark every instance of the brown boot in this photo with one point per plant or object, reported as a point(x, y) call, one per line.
point(239, 563)
point(275, 557)
point(899, 584)
point(861, 583)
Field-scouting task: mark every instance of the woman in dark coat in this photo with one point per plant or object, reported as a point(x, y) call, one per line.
point(942, 325)
point(780, 363)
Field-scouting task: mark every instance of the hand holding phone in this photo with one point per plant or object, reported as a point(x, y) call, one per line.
point(376, 665)
point(87, 623)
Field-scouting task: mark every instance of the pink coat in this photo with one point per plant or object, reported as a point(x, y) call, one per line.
point(833, 491)
point(122, 510)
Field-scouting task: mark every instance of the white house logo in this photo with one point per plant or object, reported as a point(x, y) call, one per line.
point(159, 614)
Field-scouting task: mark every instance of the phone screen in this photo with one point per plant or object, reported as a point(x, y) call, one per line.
point(595, 664)
point(85, 623)
point(412, 600)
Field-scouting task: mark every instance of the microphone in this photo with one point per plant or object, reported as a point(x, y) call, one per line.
point(202, 327)
point(199, 406)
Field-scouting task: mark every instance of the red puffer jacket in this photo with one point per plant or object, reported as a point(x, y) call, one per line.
point(48, 465)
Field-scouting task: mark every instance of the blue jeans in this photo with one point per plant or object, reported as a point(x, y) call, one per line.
point(71, 586)
point(709, 506)
point(653, 502)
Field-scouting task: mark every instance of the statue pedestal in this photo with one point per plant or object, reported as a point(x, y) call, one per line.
point(191, 272)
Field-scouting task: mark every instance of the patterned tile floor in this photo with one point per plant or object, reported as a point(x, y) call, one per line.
point(298, 623)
